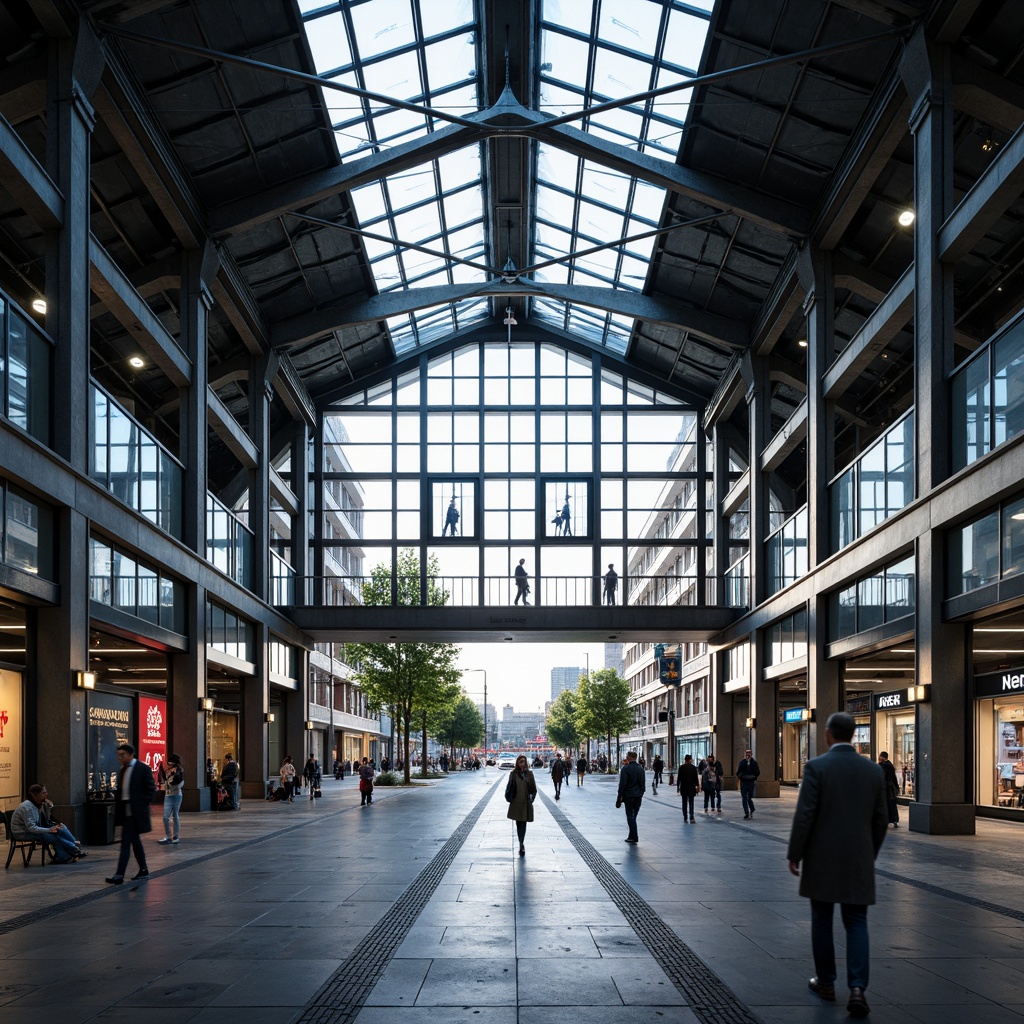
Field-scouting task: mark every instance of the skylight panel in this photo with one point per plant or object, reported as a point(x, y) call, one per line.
point(440, 17)
point(382, 25)
point(685, 39)
point(450, 60)
point(328, 42)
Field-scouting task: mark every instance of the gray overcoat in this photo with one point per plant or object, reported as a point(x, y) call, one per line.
point(520, 807)
point(839, 825)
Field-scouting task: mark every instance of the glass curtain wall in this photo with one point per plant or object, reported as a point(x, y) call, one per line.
point(491, 453)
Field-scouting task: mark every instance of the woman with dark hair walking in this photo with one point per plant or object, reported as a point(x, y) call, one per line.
point(520, 793)
point(172, 775)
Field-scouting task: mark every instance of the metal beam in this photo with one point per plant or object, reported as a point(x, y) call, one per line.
point(728, 394)
point(226, 427)
point(26, 180)
point(787, 439)
point(989, 198)
point(309, 189)
point(630, 623)
point(732, 333)
point(131, 311)
point(888, 319)
point(993, 99)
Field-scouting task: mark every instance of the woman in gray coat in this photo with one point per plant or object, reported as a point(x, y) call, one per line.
point(520, 793)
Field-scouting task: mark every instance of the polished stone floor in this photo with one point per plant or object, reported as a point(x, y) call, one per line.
point(417, 909)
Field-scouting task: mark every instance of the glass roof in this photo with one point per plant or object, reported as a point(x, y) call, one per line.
point(592, 54)
point(426, 54)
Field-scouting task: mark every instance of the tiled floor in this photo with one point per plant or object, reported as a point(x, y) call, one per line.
point(323, 912)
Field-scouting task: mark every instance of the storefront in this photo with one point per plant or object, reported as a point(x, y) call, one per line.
point(896, 731)
point(860, 709)
point(1000, 740)
point(794, 742)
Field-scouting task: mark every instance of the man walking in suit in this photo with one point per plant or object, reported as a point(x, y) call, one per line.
point(135, 791)
point(632, 786)
point(747, 772)
point(838, 829)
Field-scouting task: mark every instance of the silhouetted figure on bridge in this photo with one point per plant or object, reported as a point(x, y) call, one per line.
point(611, 584)
point(522, 582)
point(451, 519)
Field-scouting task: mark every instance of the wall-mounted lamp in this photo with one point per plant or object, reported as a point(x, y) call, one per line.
point(712, 729)
point(86, 680)
point(205, 703)
point(310, 726)
point(751, 723)
point(919, 694)
point(268, 717)
point(906, 218)
point(39, 305)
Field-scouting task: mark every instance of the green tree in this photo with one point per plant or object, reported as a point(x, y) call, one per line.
point(405, 679)
point(603, 706)
point(561, 725)
point(464, 726)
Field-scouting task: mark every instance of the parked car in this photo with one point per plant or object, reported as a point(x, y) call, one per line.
point(507, 761)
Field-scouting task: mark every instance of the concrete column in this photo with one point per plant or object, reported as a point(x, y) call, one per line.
point(56, 736)
point(186, 685)
point(255, 702)
point(197, 272)
point(819, 309)
point(759, 432)
point(75, 69)
point(944, 803)
point(926, 74)
point(764, 708)
point(824, 686)
point(259, 478)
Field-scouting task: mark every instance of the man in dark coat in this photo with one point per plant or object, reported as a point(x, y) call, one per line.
point(687, 785)
point(632, 786)
point(559, 771)
point(134, 794)
point(747, 772)
point(892, 788)
point(838, 829)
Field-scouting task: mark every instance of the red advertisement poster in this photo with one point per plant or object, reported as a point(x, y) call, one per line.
point(152, 731)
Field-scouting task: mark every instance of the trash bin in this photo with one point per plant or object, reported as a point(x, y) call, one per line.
point(99, 823)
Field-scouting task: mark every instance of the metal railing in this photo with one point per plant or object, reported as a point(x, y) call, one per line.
point(339, 591)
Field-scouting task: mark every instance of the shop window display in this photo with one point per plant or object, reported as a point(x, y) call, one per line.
point(1009, 786)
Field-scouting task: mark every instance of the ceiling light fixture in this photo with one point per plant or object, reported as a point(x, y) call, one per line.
point(802, 342)
point(39, 305)
point(906, 218)
point(137, 361)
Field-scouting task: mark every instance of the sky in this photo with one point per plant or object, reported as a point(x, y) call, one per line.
point(520, 674)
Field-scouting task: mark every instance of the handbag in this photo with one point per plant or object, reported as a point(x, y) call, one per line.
point(510, 789)
point(316, 792)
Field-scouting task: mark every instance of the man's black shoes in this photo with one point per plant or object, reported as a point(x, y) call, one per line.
point(857, 1006)
point(116, 880)
point(144, 873)
point(825, 989)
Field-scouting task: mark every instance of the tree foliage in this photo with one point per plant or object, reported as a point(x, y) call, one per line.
point(603, 706)
point(561, 726)
point(464, 726)
point(408, 680)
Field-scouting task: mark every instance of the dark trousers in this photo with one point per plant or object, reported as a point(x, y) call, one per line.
point(894, 810)
point(131, 840)
point(855, 921)
point(632, 805)
point(558, 786)
point(747, 794)
point(521, 831)
point(688, 806)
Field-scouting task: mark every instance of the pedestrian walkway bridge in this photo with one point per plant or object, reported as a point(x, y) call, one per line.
point(416, 910)
point(468, 610)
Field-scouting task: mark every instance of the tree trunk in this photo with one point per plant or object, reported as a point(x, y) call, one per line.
point(406, 719)
point(423, 757)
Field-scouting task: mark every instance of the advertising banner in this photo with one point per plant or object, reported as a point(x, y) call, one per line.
point(152, 731)
point(110, 723)
point(11, 726)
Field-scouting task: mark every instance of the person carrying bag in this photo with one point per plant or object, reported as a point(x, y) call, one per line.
point(366, 782)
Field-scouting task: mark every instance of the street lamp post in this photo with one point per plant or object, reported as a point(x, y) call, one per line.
point(484, 671)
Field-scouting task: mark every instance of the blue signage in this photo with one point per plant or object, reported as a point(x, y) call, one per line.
point(794, 714)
